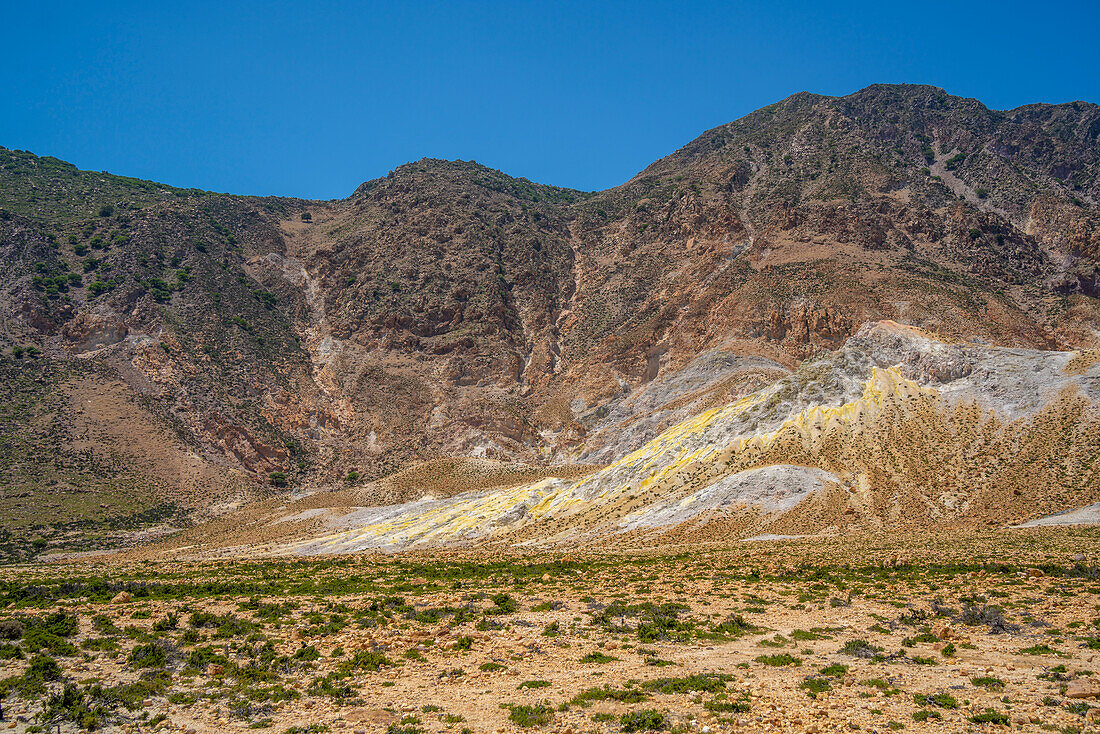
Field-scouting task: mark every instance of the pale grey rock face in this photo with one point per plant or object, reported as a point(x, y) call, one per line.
point(771, 489)
point(1087, 515)
point(1011, 382)
point(628, 422)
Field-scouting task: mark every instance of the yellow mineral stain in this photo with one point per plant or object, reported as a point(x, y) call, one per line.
point(668, 462)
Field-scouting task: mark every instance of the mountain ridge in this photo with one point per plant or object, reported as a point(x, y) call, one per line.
point(450, 310)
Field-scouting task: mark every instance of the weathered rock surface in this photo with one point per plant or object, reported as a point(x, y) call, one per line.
point(895, 430)
point(449, 310)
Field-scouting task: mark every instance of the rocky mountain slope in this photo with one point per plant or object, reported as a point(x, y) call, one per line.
point(450, 310)
point(896, 430)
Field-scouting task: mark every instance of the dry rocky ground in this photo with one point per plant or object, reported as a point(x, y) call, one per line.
point(971, 631)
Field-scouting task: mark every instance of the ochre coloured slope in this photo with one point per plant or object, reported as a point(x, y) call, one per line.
point(947, 434)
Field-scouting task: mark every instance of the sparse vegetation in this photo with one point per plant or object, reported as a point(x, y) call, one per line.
point(247, 635)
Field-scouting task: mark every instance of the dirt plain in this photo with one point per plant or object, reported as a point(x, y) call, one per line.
point(960, 631)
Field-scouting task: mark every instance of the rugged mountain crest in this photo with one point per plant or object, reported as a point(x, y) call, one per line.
point(450, 310)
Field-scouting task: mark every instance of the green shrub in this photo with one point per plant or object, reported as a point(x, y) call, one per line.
point(366, 660)
point(992, 616)
point(86, 708)
point(733, 626)
point(202, 619)
point(627, 695)
point(645, 720)
point(307, 653)
point(132, 695)
point(201, 657)
point(505, 604)
point(331, 685)
point(814, 686)
point(150, 655)
point(688, 684)
point(230, 626)
point(104, 626)
point(860, 649)
point(529, 716)
point(727, 707)
point(57, 623)
point(170, 622)
point(779, 660)
point(942, 700)
point(38, 639)
point(990, 716)
point(986, 681)
point(44, 667)
point(11, 629)
point(1077, 707)
point(101, 644)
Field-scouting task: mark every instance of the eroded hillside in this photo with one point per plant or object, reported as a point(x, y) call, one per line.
point(448, 310)
point(895, 431)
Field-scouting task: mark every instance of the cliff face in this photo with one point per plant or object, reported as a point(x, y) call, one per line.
point(450, 310)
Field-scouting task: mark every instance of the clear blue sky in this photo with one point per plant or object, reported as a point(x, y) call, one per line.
point(312, 98)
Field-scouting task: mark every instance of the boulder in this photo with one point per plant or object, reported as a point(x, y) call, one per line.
point(1082, 689)
point(380, 717)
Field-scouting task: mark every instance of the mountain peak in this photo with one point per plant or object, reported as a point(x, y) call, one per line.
point(430, 173)
point(450, 310)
